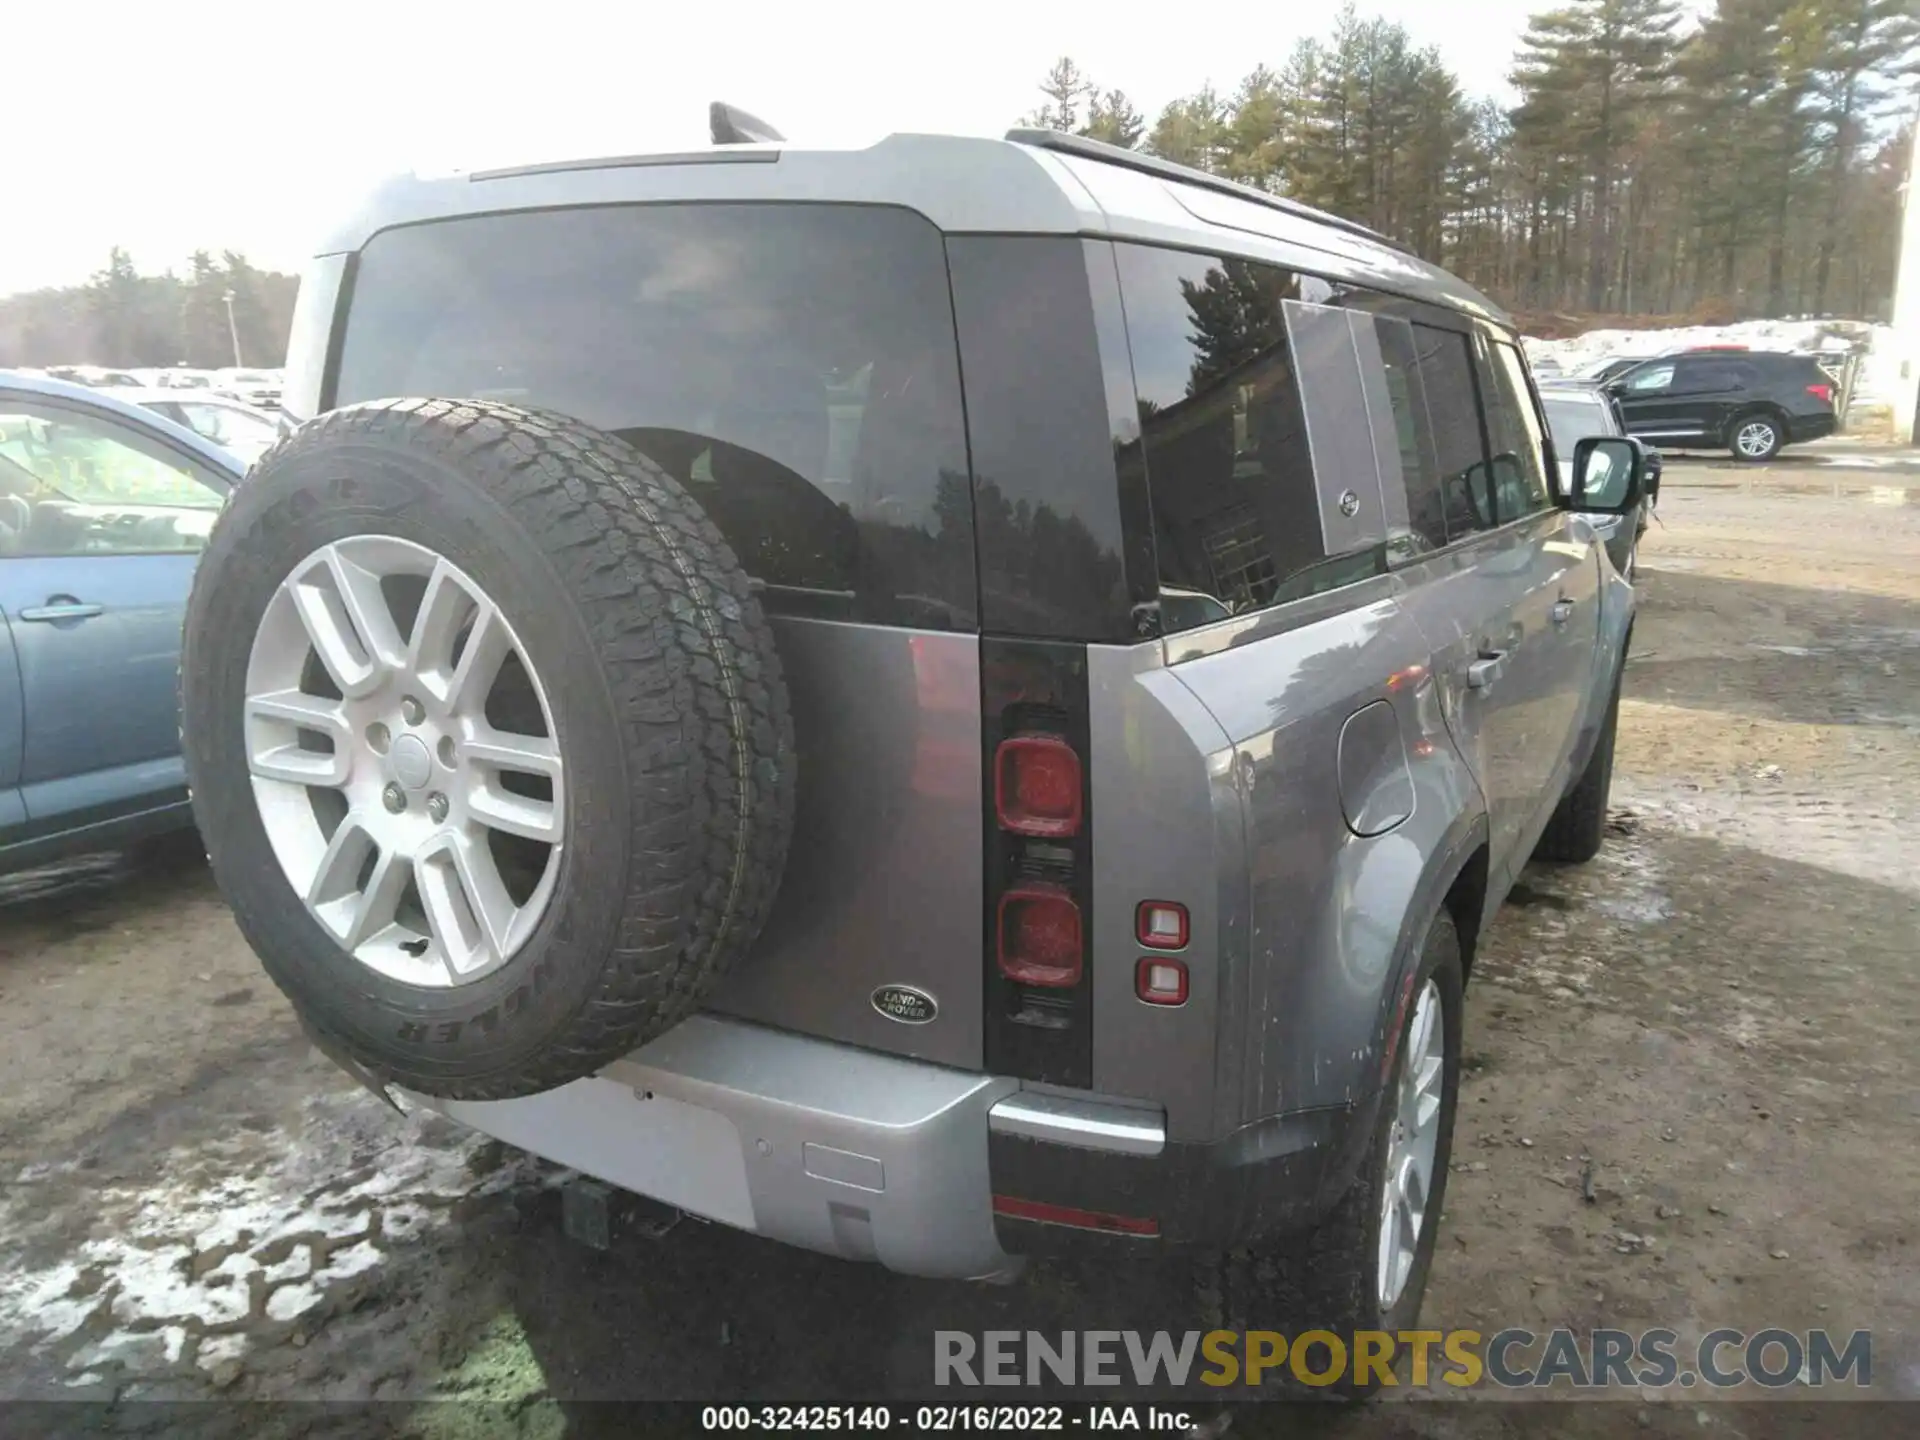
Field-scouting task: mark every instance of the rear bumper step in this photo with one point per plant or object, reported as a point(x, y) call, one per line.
point(846, 1151)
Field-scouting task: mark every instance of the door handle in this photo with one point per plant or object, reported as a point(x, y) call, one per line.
point(1562, 611)
point(1483, 672)
point(60, 607)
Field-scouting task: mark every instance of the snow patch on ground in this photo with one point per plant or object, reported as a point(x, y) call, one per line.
point(185, 1266)
point(1804, 336)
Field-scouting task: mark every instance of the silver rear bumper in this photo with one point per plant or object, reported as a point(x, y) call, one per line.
point(854, 1153)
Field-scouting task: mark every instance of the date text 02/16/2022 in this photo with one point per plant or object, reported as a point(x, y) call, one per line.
point(943, 1419)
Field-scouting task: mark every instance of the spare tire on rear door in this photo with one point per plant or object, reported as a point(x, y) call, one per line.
point(487, 740)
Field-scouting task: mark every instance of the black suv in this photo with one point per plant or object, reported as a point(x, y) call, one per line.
point(1751, 402)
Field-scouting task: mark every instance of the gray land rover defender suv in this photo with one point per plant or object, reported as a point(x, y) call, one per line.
point(935, 702)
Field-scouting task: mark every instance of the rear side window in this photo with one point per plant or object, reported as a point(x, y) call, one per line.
point(1703, 375)
point(1513, 427)
point(794, 366)
point(1051, 527)
point(1272, 453)
point(1235, 515)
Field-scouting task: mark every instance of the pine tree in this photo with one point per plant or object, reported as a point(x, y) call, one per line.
point(1863, 48)
point(1112, 117)
point(1192, 131)
point(1739, 167)
point(1066, 89)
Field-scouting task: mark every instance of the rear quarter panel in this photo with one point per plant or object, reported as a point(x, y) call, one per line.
point(1168, 824)
point(1303, 991)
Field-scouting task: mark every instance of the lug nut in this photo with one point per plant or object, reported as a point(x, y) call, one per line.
point(436, 807)
point(379, 737)
point(411, 710)
point(446, 749)
point(395, 797)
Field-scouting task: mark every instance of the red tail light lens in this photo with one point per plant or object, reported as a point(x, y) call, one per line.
point(1036, 786)
point(1822, 393)
point(1160, 982)
point(1040, 937)
point(1161, 925)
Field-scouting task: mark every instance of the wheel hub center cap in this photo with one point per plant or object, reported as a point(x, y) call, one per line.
point(412, 765)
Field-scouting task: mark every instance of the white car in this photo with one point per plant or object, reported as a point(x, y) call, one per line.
point(258, 388)
point(240, 430)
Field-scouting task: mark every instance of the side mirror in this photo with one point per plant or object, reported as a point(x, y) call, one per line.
point(1609, 475)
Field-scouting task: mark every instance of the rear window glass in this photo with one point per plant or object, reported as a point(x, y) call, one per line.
point(1571, 421)
point(793, 365)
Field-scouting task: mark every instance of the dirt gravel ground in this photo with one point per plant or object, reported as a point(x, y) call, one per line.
point(1710, 1031)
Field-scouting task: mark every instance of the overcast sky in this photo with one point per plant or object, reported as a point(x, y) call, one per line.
point(168, 127)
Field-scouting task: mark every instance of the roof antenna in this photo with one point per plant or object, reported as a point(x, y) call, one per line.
point(731, 126)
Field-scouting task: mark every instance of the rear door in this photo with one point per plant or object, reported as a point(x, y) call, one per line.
point(1481, 605)
point(1714, 389)
point(105, 524)
point(1505, 611)
point(1560, 618)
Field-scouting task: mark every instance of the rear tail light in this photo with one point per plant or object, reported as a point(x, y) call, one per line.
point(1037, 852)
point(1036, 786)
point(1160, 981)
point(1040, 937)
point(1161, 925)
point(1822, 393)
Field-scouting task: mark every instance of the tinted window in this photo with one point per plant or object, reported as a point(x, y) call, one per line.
point(1514, 432)
point(1041, 423)
point(1715, 375)
point(1445, 369)
point(1237, 515)
point(793, 365)
point(1572, 420)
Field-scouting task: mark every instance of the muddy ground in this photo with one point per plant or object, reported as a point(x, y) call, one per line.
point(1711, 1029)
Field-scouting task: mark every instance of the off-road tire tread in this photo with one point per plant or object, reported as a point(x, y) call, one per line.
point(691, 668)
point(1579, 824)
point(1326, 1278)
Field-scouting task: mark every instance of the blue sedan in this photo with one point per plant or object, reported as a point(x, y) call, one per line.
point(104, 510)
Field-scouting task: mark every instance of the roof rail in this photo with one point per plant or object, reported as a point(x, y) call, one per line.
point(1090, 149)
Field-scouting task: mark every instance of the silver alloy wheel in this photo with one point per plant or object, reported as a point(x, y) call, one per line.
point(1411, 1148)
point(1756, 438)
point(424, 836)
